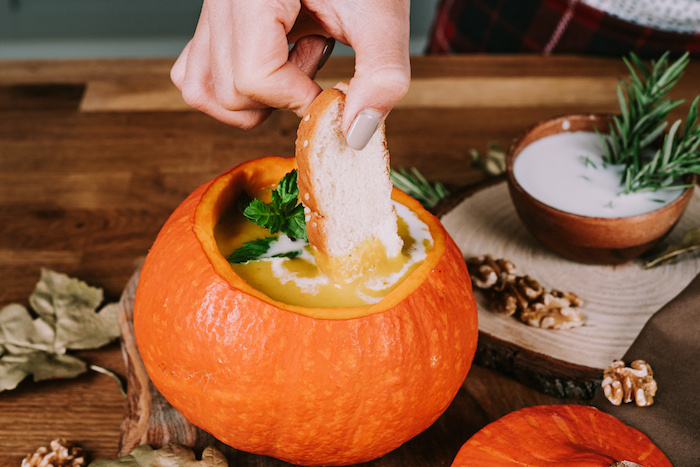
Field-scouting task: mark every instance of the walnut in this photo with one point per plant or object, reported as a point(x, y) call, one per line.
point(60, 454)
point(487, 272)
point(554, 310)
point(523, 296)
point(626, 384)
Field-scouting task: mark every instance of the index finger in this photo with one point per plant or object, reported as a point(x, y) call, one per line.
point(252, 56)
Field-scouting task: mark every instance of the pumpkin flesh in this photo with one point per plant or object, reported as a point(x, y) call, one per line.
point(312, 386)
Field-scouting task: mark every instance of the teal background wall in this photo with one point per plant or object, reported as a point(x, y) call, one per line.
point(124, 28)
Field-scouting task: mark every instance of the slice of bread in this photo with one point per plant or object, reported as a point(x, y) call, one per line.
point(346, 192)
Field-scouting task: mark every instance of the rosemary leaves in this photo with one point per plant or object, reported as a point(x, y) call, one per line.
point(644, 109)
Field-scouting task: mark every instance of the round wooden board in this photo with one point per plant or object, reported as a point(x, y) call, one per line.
point(618, 299)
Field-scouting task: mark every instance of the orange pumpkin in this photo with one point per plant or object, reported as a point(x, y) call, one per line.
point(330, 386)
point(556, 435)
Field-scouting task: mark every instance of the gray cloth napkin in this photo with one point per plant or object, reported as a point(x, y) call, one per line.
point(670, 343)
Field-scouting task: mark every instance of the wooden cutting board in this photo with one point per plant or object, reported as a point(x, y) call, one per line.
point(619, 300)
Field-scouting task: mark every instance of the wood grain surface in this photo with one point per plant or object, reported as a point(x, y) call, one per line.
point(94, 155)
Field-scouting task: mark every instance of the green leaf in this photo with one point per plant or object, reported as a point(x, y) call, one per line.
point(265, 215)
point(173, 455)
point(250, 251)
point(295, 226)
point(284, 213)
point(287, 188)
point(257, 249)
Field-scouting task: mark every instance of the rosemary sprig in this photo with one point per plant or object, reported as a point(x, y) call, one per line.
point(644, 108)
point(414, 184)
point(679, 156)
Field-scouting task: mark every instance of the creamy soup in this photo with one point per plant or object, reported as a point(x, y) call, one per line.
point(566, 171)
point(299, 281)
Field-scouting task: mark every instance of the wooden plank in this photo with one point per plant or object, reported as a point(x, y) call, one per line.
point(438, 93)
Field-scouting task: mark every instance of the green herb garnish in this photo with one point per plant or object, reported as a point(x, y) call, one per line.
point(644, 108)
point(679, 156)
point(284, 214)
point(587, 162)
point(257, 249)
point(414, 184)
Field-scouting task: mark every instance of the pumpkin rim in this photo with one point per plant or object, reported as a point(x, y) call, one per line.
point(226, 187)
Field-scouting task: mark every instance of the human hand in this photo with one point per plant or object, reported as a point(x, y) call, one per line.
point(238, 67)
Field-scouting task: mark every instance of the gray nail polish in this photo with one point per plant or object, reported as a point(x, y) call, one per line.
point(363, 127)
point(327, 51)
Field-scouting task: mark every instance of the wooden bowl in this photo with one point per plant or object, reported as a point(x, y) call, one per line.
point(593, 240)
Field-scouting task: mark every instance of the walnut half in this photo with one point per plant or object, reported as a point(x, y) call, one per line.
point(523, 296)
point(60, 454)
point(554, 310)
point(626, 384)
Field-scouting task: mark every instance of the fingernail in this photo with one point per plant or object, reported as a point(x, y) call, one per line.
point(327, 51)
point(362, 128)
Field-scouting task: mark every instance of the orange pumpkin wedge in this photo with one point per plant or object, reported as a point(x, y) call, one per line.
point(558, 435)
point(312, 386)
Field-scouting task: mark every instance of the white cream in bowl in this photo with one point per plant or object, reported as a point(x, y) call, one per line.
point(566, 171)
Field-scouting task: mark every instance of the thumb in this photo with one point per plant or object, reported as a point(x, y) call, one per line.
point(382, 77)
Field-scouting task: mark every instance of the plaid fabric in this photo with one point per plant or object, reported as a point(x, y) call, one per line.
point(546, 27)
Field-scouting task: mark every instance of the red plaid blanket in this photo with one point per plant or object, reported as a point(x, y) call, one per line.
point(546, 27)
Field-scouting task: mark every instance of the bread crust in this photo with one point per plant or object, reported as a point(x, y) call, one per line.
point(309, 127)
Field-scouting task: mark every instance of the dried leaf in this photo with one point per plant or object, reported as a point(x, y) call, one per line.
point(67, 319)
point(173, 455)
point(690, 242)
point(493, 163)
point(69, 305)
point(40, 365)
point(57, 292)
point(20, 333)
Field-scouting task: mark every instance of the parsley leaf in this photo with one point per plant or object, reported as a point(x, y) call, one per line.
point(265, 215)
point(284, 213)
point(257, 249)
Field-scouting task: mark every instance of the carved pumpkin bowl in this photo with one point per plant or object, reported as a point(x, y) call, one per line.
point(312, 386)
point(587, 238)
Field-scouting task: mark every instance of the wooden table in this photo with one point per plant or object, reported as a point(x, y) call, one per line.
point(94, 155)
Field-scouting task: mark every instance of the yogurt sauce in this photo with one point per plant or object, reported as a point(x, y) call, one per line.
point(298, 281)
point(566, 171)
point(369, 289)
